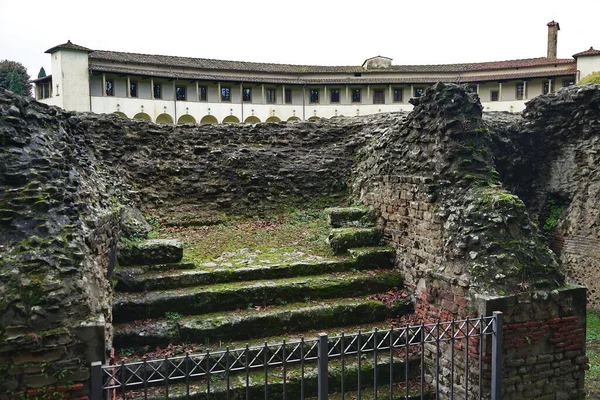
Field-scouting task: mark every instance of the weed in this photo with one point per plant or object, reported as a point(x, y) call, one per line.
point(173, 316)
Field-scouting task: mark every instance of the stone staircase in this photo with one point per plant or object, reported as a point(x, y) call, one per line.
point(167, 302)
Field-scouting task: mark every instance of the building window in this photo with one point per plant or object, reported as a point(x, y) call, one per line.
point(494, 95)
point(157, 91)
point(110, 88)
point(568, 82)
point(202, 93)
point(548, 87)
point(398, 93)
point(335, 95)
point(44, 90)
point(520, 90)
point(314, 95)
point(472, 88)
point(378, 97)
point(288, 96)
point(225, 94)
point(247, 94)
point(356, 95)
point(180, 93)
point(133, 89)
point(271, 96)
point(418, 92)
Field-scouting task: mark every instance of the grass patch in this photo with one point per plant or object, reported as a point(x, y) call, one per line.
point(240, 241)
point(592, 376)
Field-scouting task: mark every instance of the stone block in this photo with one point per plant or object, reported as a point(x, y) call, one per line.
point(342, 239)
point(339, 217)
point(156, 251)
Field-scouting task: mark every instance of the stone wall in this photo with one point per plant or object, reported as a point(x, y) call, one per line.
point(59, 219)
point(461, 238)
point(233, 168)
point(551, 161)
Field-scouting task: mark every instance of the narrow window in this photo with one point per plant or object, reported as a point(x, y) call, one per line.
point(378, 97)
point(202, 93)
point(548, 87)
point(180, 93)
point(288, 96)
point(271, 96)
point(110, 88)
point(314, 95)
point(247, 94)
point(419, 91)
point(335, 95)
point(356, 95)
point(398, 94)
point(520, 88)
point(157, 91)
point(133, 89)
point(225, 94)
point(494, 95)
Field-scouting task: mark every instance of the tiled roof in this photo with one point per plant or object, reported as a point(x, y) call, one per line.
point(365, 79)
point(210, 64)
point(516, 76)
point(43, 79)
point(590, 52)
point(68, 46)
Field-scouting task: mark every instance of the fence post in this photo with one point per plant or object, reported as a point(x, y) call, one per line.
point(96, 380)
point(322, 370)
point(497, 356)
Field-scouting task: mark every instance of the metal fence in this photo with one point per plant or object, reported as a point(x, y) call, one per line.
point(419, 362)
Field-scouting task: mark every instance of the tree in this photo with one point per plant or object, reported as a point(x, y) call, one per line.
point(14, 82)
point(42, 73)
point(6, 69)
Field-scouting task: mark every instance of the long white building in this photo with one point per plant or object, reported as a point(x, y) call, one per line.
point(167, 89)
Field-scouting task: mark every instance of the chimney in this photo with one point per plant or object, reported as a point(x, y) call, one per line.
point(553, 28)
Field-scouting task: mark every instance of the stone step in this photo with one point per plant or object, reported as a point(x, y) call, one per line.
point(340, 217)
point(238, 295)
point(138, 280)
point(342, 239)
point(255, 323)
point(298, 380)
point(155, 251)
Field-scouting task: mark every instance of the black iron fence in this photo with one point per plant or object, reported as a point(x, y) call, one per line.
point(452, 359)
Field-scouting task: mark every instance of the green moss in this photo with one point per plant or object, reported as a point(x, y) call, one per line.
point(594, 77)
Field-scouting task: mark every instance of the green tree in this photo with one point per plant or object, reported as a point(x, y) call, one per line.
point(42, 73)
point(6, 69)
point(14, 82)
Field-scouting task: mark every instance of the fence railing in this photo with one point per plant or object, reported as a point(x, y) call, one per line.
point(420, 361)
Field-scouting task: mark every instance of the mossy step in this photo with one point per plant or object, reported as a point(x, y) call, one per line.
point(339, 217)
point(298, 380)
point(231, 296)
point(135, 280)
point(251, 324)
point(342, 239)
point(155, 251)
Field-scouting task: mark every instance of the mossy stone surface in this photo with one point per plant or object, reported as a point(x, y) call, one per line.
point(156, 251)
point(342, 239)
point(339, 217)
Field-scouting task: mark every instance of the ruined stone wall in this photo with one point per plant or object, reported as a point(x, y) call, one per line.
point(460, 237)
point(59, 217)
point(233, 168)
point(552, 162)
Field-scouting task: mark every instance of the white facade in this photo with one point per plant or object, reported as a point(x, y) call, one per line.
point(167, 89)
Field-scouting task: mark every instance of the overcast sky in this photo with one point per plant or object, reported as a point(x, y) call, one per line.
point(320, 32)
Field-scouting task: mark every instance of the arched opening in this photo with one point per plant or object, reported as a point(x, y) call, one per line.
point(232, 119)
point(294, 118)
point(209, 119)
point(164, 119)
point(252, 120)
point(314, 118)
point(143, 116)
point(186, 119)
point(120, 114)
point(273, 119)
